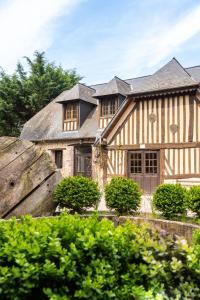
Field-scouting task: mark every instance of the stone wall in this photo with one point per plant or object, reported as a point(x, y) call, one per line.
point(68, 155)
point(180, 229)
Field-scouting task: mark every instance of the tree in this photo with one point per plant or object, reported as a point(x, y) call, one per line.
point(24, 93)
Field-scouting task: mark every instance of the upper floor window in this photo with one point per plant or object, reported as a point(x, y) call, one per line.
point(71, 116)
point(109, 107)
point(71, 111)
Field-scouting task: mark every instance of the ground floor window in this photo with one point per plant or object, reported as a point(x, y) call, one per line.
point(143, 167)
point(59, 158)
point(83, 161)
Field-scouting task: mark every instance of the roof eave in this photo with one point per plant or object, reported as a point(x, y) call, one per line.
point(109, 94)
point(79, 99)
point(189, 88)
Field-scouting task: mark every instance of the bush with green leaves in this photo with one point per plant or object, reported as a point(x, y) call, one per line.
point(170, 200)
point(77, 193)
point(123, 195)
point(194, 199)
point(69, 257)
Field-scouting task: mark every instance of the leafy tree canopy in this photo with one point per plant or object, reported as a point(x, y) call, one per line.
point(25, 92)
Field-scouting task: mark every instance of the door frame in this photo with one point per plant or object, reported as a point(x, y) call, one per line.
point(142, 174)
point(74, 160)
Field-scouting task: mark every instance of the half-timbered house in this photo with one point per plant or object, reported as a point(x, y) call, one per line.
point(145, 128)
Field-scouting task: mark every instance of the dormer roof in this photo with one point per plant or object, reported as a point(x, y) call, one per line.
point(113, 87)
point(78, 92)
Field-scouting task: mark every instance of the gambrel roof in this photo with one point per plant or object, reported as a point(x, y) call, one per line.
point(47, 124)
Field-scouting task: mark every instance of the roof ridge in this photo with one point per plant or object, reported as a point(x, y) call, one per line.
point(193, 67)
point(98, 84)
point(138, 77)
point(121, 80)
point(183, 68)
point(85, 85)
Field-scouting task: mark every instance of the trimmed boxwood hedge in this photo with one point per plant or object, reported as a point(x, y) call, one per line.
point(77, 193)
point(123, 195)
point(68, 257)
point(170, 200)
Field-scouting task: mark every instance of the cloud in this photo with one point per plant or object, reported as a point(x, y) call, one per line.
point(28, 25)
point(139, 42)
point(150, 50)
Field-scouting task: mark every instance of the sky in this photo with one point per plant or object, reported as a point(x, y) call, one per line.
point(101, 38)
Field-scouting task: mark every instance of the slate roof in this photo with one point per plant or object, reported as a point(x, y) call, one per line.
point(47, 124)
point(113, 87)
point(79, 92)
point(171, 76)
point(194, 72)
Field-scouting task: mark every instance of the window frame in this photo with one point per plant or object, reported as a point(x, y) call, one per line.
point(58, 160)
point(71, 109)
point(149, 162)
point(108, 106)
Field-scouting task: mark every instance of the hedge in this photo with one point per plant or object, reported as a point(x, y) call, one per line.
point(68, 257)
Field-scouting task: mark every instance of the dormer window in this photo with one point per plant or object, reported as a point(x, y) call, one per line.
point(71, 116)
point(71, 111)
point(109, 106)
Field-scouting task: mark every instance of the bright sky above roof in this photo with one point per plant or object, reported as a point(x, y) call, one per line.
point(104, 38)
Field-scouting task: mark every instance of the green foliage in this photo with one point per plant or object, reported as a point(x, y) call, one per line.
point(123, 195)
point(24, 93)
point(194, 199)
point(77, 193)
point(170, 200)
point(74, 258)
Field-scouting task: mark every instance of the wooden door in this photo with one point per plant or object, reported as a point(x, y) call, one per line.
point(83, 161)
point(143, 167)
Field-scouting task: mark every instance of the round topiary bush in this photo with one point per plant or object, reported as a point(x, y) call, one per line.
point(194, 199)
point(123, 195)
point(170, 200)
point(77, 193)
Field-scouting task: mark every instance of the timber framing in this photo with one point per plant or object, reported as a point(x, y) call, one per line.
point(154, 136)
point(155, 146)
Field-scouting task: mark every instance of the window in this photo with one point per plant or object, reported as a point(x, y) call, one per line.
point(109, 106)
point(143, 162)
point(83, 161)
point(151, 163)
point(59, 158)
point(71, 116)
point(136, 163)
point(71, 111)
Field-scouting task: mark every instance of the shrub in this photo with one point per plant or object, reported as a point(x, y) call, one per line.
point(77, 193)
point(70, 257)
point(194, 199)
point(123, 195)
point(170, 200)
